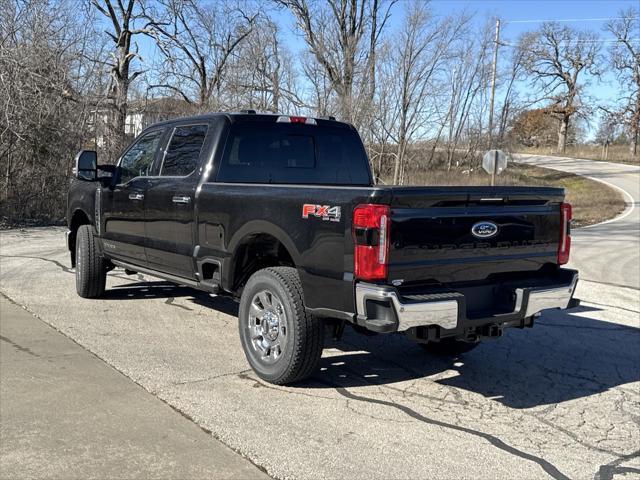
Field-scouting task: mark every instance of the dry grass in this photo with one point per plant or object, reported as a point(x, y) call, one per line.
point(617, 153)
point(592, 201)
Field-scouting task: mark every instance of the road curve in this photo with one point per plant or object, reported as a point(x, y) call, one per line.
point(608, 252)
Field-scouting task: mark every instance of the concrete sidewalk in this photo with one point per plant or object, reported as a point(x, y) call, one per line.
point(64, 413)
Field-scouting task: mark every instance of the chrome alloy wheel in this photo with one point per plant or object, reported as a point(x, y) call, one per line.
point(267, 326)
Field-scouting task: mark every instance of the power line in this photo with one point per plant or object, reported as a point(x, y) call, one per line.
point(607, 40)
point(567, 20)
point(601, 40)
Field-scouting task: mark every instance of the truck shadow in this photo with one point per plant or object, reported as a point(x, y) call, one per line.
point(564, 357)
point(160, 289)
point(567, 355)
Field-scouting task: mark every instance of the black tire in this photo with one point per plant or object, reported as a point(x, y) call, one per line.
point(449, 346)
point(91, 269)
point(294, 353)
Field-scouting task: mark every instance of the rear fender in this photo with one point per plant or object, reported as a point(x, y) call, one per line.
point(241, 237)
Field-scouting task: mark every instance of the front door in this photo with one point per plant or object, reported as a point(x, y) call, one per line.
point(124, 232)
point(169, 203)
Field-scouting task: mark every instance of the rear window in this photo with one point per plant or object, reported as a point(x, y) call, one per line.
point(293, 153)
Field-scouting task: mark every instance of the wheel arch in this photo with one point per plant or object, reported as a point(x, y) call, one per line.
point(79, 218)
point(259, 244)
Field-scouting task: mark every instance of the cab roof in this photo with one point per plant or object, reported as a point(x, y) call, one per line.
point(247, 116)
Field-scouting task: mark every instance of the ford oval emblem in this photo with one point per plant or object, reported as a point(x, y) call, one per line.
point(484, 229)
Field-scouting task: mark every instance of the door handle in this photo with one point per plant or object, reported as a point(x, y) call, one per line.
point(136, 196)
point(181, 199)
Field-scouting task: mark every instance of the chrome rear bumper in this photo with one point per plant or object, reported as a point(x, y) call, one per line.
point(443, 309)
point(545, 298)
point(438, 312)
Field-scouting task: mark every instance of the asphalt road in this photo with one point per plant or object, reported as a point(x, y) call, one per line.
point(561, 400)
point(608, 252)
point(66, 414)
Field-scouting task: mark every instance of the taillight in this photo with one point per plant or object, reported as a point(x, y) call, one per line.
point(564, 247)
point(371, 241)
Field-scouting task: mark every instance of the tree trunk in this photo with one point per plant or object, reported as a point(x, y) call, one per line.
point(275, 99)
point(402, 143)
point(120, 95)
point(396, 168)
point(7, 184)
point(635, 127)
point(118, 134)
point(562, 134)
point(344, 101)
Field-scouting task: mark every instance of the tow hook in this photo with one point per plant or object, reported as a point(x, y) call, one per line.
point(492, 331)
point(472, 338)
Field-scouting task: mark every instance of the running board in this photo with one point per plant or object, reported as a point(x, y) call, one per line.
point(208, 287)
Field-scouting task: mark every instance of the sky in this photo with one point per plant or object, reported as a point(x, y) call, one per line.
point(517, 16)
point(585, 14)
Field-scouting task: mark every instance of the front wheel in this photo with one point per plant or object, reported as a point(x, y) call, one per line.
point(91, 268)
point(282, 342)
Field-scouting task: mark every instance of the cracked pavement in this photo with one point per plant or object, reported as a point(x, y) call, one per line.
point(561, 400)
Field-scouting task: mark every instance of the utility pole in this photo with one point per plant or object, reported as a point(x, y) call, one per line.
point(493, 93)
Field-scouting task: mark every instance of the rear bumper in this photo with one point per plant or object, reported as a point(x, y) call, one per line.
point(447, 310)
point(438, 311)
point(558, 296)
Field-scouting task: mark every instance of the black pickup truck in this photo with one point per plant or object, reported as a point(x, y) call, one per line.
point(281, 212)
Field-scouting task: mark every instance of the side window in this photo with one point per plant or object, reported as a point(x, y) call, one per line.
point(138, 159)
point(183, 154)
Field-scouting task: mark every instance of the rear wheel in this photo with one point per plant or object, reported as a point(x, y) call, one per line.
point(91, 269)
point(449, 346)
point(282, 342)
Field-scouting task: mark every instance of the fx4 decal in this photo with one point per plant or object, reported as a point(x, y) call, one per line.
point(325, 212)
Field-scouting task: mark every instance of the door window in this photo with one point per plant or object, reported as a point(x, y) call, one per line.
point(183, 154)
point(139, 158)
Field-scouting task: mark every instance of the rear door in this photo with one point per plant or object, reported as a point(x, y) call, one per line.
point(124, 232)
point(170, 198)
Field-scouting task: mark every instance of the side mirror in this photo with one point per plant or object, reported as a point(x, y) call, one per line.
point(86, 165)
point(106, 172)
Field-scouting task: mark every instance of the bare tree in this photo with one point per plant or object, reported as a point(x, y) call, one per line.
point(122, 16)
point(624, 58)
point(336, 34)
point(319, 100)
point(196, 41)
point(510, 103)
point(469, 77)
point(261, 74)
point(557, 56)
point(47, 94)
point(421, 48)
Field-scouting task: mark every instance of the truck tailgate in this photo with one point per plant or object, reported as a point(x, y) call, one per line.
point(433, 239)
